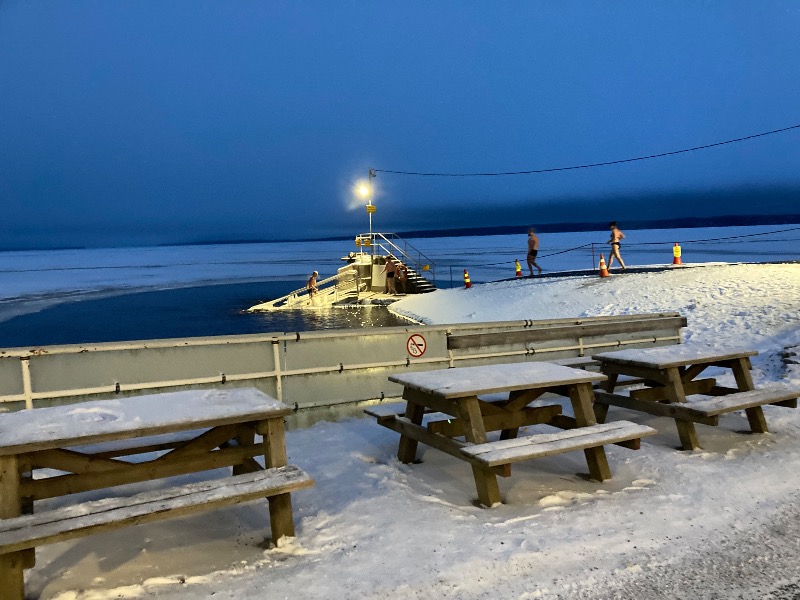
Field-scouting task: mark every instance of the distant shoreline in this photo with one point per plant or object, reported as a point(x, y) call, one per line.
point(559, 227)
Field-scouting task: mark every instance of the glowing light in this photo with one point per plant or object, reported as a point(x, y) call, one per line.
point(363, 190)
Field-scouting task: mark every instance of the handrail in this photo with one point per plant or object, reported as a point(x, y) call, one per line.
point(417, 262)
point(297, 296)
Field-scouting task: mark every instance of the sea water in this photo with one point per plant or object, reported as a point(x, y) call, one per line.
point(184, 312)
point(112, 294)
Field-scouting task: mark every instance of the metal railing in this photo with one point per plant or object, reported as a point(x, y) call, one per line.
point(309, 369)
point(345, 284)
point(393, 244)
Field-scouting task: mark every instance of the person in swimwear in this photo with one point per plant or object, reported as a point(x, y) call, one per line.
point(390, 268)
point(616, 238)
point(311, 286)
point(533, 250)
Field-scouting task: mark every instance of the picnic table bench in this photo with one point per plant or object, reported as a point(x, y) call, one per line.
point(672, 388)
point(160, 436)
point(446, 404)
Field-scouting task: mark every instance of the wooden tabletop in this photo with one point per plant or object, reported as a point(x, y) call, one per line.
point(472, 381)
point(126, 418)
point(666, 357)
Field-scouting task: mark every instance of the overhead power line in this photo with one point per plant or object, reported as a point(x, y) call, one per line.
point(592, 165)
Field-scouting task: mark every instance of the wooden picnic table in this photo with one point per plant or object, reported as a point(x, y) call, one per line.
point(460, 408)
point(90, 446)
point(670, 375)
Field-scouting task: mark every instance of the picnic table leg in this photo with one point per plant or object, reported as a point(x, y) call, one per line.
point(675, 394)
point(12, 580)
point(511, 432)
point(744, 381)
point(246, 438)
point(601, 410)
point(469, 411)
point(407, 449)
point(582, 396)
point(609, 384)
point(280, 506)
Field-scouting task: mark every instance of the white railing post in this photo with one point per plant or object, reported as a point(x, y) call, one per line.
point(27, 388)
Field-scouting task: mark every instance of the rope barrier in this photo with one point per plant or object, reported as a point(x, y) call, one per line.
point(510, 251)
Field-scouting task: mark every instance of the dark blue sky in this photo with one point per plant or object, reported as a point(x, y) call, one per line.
point(149, 121)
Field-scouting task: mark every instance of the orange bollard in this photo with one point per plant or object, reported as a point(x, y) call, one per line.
point(676, 255)
point(518, 267)
point(467, 282)
point(603, 268)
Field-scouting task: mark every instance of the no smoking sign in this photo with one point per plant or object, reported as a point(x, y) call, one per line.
point(416, 345)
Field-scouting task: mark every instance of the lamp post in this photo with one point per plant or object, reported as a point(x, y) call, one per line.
point(365, 191)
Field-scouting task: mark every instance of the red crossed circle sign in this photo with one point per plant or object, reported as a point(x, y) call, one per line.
point(416, 345)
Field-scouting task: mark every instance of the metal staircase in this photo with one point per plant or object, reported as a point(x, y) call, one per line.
point(355, 281)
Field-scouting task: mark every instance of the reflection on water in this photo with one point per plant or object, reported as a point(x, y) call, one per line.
point(345, 317)
point(186, 312)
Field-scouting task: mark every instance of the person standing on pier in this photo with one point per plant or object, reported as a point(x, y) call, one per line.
point(390, 268)
point(311, 286)
point(533, 250)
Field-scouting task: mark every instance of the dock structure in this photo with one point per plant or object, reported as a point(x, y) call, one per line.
point(363, 279)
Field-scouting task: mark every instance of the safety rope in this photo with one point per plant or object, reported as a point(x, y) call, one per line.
point(636, 244)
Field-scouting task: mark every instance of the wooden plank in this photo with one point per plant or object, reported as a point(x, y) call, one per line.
point(786, 403)
point(407, 448)
point(74, 462)
point(690, 388)
point(558, 332)
point(567, 422)
point(654, 408)
point(582, 397)
point(666, 357)
point(429, 402)
point(469, 412)
point(464, 382)
point(576, 362)
point(62, 485)
point(541, 445)
point(205, 442)
point(280, 505)
point(523, 418)
point(11, 564)
point(675, 395)
point(381, 411)
point(83, 519)
point(131, 447)
point(742, 400)
point(127, 418)
point(447, 445)
point(646, 373)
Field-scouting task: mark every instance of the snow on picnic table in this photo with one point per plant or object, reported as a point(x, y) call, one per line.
point(669, 524)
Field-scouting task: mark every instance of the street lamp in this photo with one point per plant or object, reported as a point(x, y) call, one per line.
point(365, 191)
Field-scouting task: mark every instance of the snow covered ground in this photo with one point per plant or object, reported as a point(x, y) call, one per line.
point(717, 523)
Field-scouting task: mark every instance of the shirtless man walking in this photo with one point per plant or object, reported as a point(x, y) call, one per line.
point(616, 238)
point(533, 250)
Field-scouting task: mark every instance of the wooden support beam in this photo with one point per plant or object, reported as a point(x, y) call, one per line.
point(654, 408)
point(62, 485)
point(496, 422)
point(447, 445)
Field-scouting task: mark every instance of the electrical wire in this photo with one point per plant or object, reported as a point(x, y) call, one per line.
point(592, 165)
